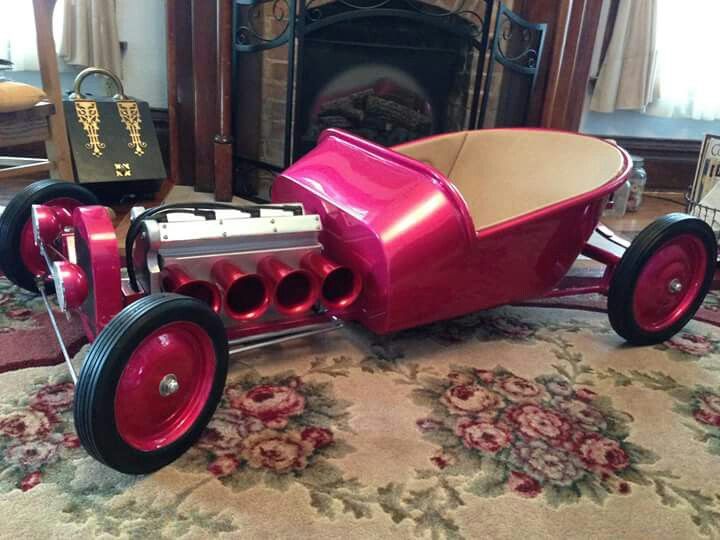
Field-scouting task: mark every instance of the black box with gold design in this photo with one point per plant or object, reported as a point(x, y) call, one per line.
point(114, 146)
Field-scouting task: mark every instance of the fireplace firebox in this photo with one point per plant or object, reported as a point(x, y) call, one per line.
point(390, 71)
point(388, 78)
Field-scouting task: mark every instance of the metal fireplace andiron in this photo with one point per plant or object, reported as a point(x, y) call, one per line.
point(389, 70)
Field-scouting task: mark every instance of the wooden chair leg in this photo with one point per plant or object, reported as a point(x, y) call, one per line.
point(58, 146)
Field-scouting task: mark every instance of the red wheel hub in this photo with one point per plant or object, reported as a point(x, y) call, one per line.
point(164, 386)
point(29, 252)
point(670, 282)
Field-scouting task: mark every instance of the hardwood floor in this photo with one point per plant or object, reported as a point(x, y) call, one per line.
point(654, 204)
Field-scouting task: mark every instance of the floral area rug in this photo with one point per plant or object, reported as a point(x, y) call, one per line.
point(26, 337)
point(513, 423)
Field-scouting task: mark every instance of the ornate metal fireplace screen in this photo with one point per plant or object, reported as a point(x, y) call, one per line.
point(516, 48)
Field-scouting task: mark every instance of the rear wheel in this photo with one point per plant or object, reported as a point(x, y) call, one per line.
point(151, 382)
point(20, 259)
point(662, 279)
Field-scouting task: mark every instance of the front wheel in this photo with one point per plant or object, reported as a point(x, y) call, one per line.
point(20, 258)
point(662, 279)
point(151, 382)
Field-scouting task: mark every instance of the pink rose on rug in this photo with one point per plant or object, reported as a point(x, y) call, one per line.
point(585, 394)
point(223, 466)
point(483, 436)
point(226, 431)
point(276, 451)
point(70, 440)
point(690, 344)
point(30, 481)
point(708, 411)
point(587, 417)
point(524, 485)
point(599, 451)
point(537, 422)
point(54, 398)
point(31, 455)
point(485, 375)
point(441, 459)
point(25, 425)
point(520, 390)
point(470, 398)
point(273, 405)
point(319, 437)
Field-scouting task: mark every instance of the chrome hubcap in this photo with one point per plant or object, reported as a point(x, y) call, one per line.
point(675, 286)
point(169, 385)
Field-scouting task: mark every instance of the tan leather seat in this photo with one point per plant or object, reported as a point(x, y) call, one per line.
point(504, 173)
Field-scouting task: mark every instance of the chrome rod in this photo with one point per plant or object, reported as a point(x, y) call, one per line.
point(264, 340)
point(41, 288)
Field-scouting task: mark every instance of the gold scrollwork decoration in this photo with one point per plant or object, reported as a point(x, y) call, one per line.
point(130, 116)
point(88, 116)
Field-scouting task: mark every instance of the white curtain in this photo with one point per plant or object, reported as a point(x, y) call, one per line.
point(688, 80)
point(627, 76)
point(90, 34)
point(85, 34)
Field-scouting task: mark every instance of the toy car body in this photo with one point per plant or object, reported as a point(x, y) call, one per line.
point(389, 238)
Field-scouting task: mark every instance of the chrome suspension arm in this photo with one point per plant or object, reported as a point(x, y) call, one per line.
point(41, 287)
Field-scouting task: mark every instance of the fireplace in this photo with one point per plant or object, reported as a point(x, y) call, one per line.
point(388, 70)
point(390, 78)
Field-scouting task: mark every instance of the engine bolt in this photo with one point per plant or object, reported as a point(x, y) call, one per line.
point(169, 385)
point(675, 286)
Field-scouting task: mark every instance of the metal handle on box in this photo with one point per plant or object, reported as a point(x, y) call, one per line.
point(77, 94)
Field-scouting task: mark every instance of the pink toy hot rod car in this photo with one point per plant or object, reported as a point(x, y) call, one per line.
point(388, 238)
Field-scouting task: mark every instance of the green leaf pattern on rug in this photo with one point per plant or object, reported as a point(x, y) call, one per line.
point(17, 307)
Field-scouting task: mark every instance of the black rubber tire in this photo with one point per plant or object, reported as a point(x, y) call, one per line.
point(15, 216)
point(94, 406)
point(624, 279)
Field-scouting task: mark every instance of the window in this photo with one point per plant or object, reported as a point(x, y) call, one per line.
point(687, 79)
point(17, 33)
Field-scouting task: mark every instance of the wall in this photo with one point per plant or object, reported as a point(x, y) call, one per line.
point(141, 24)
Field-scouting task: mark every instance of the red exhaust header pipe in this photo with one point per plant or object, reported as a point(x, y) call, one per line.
point(340, 286)
point(247, 296)
point(296, 290)
point(176, 280)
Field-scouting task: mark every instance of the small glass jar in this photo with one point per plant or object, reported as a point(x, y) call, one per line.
point(620, 200)
point(637, 179)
